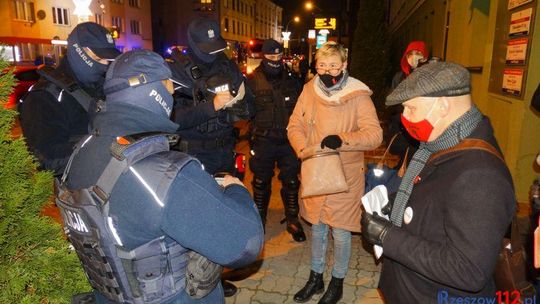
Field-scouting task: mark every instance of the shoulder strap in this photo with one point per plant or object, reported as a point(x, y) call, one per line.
point(68, 84)
point(468, 144)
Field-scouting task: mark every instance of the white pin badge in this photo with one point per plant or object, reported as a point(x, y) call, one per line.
point(211, 34)
point(408, 215)
point(109, 38)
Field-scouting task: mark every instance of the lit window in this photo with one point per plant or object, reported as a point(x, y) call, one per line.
point(24, 10)
point(135, 27)
point(134, 3)
point(60, 16)
point(118, 24)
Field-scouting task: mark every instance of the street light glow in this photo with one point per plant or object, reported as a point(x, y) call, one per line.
point(296, 19)
point(309, 5)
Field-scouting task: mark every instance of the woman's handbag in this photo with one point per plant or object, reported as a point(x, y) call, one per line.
point(511, 270)
point(321, 172)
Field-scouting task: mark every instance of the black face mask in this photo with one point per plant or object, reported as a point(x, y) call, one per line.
point(204, 57)
point(272, 67)
point(329, 80)
point(90, 73)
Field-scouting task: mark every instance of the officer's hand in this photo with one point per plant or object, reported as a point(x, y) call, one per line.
point(229, 180)
point(375, 228)
point(332, 142)
point(221, 99)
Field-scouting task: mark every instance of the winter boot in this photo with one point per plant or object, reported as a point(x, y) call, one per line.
point(261, 196)
point(289, 195)
point(334, 292)
point(314, 285)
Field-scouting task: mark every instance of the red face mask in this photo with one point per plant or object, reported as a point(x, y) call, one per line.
point(420, 130)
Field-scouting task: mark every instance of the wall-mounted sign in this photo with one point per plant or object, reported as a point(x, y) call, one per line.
point(312, 34)
point(512, 81)
point(516, 51)
point(325, 23)
point(321, 39)
point(520, 23)
point(515, 3)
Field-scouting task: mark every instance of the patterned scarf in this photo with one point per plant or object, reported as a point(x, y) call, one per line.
point(456, 132)
point(333, 89)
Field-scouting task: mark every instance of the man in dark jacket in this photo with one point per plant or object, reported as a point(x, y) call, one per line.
point(55, 113)
point(276, 91)
point(210, 97)
point(453, 205)
point(159, 206)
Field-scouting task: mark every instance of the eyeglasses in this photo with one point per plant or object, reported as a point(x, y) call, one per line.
point(332, 68)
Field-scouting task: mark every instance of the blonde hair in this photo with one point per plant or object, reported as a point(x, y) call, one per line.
point(331, 48)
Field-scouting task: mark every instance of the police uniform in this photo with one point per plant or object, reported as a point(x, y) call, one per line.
point(276, 90)
point(54, 113)
point(206, 133)
point(134, 209)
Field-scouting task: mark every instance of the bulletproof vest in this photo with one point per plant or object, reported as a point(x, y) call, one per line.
point(206, 81)
point(151, 273)
point(59, 83)
point(274, 100)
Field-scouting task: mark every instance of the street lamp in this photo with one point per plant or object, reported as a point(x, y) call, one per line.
point(295, 19)
point(286, 34)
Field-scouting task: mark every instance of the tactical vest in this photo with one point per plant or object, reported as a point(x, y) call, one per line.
point(274, 101)
point(203, 90)
point(151, 273)
point(59, 83)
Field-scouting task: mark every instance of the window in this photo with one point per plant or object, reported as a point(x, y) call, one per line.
point(226, 25)
point(24, 10)
point(118, 23)
point(99, 19)
point(134, 3)
point(60, 16)
point(135, 27)
point(117, 1)
point(233, 27)
point(206, 1)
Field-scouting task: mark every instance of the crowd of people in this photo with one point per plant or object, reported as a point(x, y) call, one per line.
point(142, 149)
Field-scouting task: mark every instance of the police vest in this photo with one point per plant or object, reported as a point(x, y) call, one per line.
point(59, 83)
point(151, 273)
point(274, 101)
point(206, 81)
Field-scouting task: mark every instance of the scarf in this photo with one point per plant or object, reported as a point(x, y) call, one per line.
point(456, 132)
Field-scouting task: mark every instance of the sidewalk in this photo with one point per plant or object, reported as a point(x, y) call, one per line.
point(284, 265)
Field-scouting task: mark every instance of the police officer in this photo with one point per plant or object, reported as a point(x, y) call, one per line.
point(276, 90)
point(134, 210)
point(210, 97)
point(54, 114)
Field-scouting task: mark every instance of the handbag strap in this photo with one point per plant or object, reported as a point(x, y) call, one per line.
point(514, 234)
point(311, 124)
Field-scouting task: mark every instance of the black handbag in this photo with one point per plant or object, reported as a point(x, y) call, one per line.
point(380, 174)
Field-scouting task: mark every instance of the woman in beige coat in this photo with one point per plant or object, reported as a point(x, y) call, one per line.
point(344, 119)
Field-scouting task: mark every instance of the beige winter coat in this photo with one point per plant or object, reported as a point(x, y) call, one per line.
point(350, 114)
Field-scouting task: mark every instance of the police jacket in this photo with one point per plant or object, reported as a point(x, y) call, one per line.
point(275, 98)
point(52, 120)
point(194, 107)
point(196, 213)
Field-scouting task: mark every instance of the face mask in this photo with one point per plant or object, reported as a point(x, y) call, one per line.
point(414, 60)
point(87, 71)
point(420, 130)
point(272, 67)
point(329, 80)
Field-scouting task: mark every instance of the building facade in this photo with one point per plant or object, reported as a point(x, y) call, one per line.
point(240, 21)
point(499, 42)
point(30, 25)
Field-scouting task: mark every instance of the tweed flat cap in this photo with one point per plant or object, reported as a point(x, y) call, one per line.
point(435, 79)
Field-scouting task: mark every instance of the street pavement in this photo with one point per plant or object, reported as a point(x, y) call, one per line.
point(284, 265)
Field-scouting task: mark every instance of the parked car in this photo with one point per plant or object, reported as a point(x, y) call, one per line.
point(26, 77)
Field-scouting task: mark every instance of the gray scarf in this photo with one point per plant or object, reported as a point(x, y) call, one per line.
point(337, 87)
point(456, 132)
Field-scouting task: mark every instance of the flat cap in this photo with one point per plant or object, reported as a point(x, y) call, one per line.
point(435, 79)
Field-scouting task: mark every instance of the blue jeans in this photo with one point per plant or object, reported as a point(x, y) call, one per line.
point(342, 249)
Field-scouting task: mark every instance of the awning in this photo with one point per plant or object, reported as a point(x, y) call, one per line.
point(14, 40)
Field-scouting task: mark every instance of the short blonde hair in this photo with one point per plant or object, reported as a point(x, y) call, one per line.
point(331, 48)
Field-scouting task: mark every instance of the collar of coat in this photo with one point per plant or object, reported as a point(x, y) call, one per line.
point(352, 89)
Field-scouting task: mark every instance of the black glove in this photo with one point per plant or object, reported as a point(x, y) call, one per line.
point(387, 209)
point(375, 228)
point(331, 141)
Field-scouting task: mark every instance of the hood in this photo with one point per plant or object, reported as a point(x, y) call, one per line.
point(352, 89)
point(125, 119)
point(413, 46)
